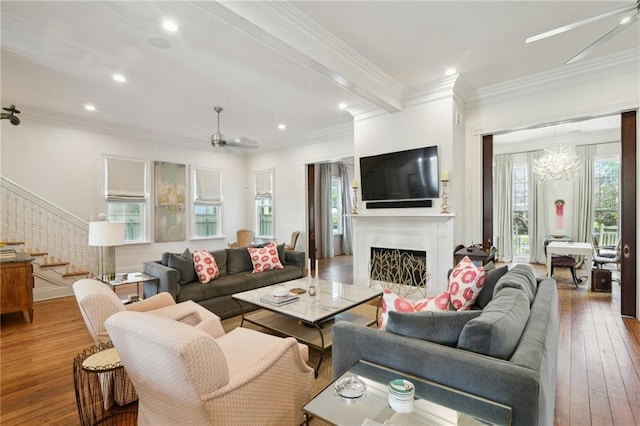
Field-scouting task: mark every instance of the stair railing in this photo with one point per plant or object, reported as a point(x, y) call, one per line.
point(44, 227)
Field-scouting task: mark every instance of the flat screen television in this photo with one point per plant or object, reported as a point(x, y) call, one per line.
point(399, 176)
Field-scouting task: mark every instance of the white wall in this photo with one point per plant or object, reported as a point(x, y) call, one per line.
point(422, 125)
point(289, 164)
point(64, 165)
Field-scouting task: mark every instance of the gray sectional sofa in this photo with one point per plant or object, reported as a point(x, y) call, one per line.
point(177, 277)
point(505, 352)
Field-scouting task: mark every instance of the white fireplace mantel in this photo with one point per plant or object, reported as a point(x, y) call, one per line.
point(430, 232)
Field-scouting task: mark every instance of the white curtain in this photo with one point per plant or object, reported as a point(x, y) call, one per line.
point(582, 227)
point(326, 224)
point(503, 203)
point(346, 209)
point(538, 212)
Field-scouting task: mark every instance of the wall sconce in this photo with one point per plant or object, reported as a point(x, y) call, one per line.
point(107, 235)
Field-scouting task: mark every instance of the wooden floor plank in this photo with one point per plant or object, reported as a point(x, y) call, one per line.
point(598, 357)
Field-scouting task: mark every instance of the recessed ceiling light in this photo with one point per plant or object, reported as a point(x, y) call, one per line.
point(90, 107)
point(281, 126)
point(119, 78)
point(342, 106)
point(450, 71)
point(170, 25)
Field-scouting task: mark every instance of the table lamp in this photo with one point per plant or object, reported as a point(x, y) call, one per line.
point(107, 235)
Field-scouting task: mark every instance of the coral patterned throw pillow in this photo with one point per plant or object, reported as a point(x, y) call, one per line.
point(393, 302)
point(265, 258)
point(205, 266)
point(465, 283)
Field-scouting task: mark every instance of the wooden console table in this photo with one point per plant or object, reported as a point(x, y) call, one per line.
point(16, 285)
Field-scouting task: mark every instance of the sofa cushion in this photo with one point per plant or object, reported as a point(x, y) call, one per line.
point(465, 283)
point(438, 327)
point(521, 277)
point(238, 260)
point(491, 279)
point(497, 331)
point(265, 258)
point(184, 265)
point(391, 302)
point(205, 266)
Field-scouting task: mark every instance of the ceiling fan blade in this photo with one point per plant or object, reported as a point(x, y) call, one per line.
point(575, 25)
point(242, 143)
point(614, 32)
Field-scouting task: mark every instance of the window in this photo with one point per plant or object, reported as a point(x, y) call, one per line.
point(520, 214)
point(126, 194)
point(336, 204)
point(264, 204)
point(207, 200)
point(606, 192)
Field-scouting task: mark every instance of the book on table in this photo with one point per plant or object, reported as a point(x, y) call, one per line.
point(279, 300)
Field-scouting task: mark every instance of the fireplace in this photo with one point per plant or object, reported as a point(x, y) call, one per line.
point(404, 271)
point(431, 235)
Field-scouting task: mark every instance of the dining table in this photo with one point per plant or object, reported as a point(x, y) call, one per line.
point(571, 248)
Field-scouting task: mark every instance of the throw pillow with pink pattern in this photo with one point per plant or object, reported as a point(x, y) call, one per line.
point(393, 302)
point(205, 266)
point(265, 258)
point(465, 283)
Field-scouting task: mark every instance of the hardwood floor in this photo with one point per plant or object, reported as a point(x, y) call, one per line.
point(598, 360)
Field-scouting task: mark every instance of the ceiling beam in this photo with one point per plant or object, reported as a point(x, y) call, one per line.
point(288, 31)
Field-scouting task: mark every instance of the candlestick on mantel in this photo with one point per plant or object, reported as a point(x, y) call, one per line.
point(354, 207)
point(445, 176)
point(445, 198)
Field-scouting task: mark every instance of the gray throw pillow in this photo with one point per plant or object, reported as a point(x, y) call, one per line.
point(520, 276)
point(220, 257)
point(281, 255)
point(184, 265)
point(438, 327)
point(497, 331)
point(491, 279)
point(238, 260)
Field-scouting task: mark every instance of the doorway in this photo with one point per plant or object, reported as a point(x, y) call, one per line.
point(627, 134)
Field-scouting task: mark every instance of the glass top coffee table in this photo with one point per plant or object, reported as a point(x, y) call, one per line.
point(310, 319)
point(433, 404)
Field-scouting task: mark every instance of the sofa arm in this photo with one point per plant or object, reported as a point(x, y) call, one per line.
point(168, 278)
point(497, 380)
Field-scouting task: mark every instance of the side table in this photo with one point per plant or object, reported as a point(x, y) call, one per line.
point(137, 278)
point(104, 393)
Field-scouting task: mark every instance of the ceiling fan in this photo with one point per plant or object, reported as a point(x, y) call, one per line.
point(219, 141)
point(622, 25)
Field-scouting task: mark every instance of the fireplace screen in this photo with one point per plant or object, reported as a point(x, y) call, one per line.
point(404, 272)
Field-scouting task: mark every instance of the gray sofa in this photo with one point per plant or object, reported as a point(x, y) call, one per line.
point(177, 277)
point(506, 352)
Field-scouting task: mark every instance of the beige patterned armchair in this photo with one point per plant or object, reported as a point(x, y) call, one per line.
point(185, 376)
point(98, 302)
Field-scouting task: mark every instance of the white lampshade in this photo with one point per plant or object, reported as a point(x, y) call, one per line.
point(106, 234)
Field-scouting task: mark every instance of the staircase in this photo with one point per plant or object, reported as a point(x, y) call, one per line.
point(55, 238)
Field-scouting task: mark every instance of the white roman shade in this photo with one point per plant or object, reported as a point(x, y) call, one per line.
point(207, 187)
point(125, 179)
point(264, 184)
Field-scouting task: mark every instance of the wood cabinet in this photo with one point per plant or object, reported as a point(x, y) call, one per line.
point(16, 285)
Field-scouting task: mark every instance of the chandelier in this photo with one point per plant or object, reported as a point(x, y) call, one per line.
point(559, 163)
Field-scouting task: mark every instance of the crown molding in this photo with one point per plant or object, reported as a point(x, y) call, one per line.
point(340, 131)
point(515, 88)
point(284, 28)
point(121, 130)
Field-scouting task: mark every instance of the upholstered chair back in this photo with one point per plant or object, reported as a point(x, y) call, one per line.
point(171, 365)
point(97, 302)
